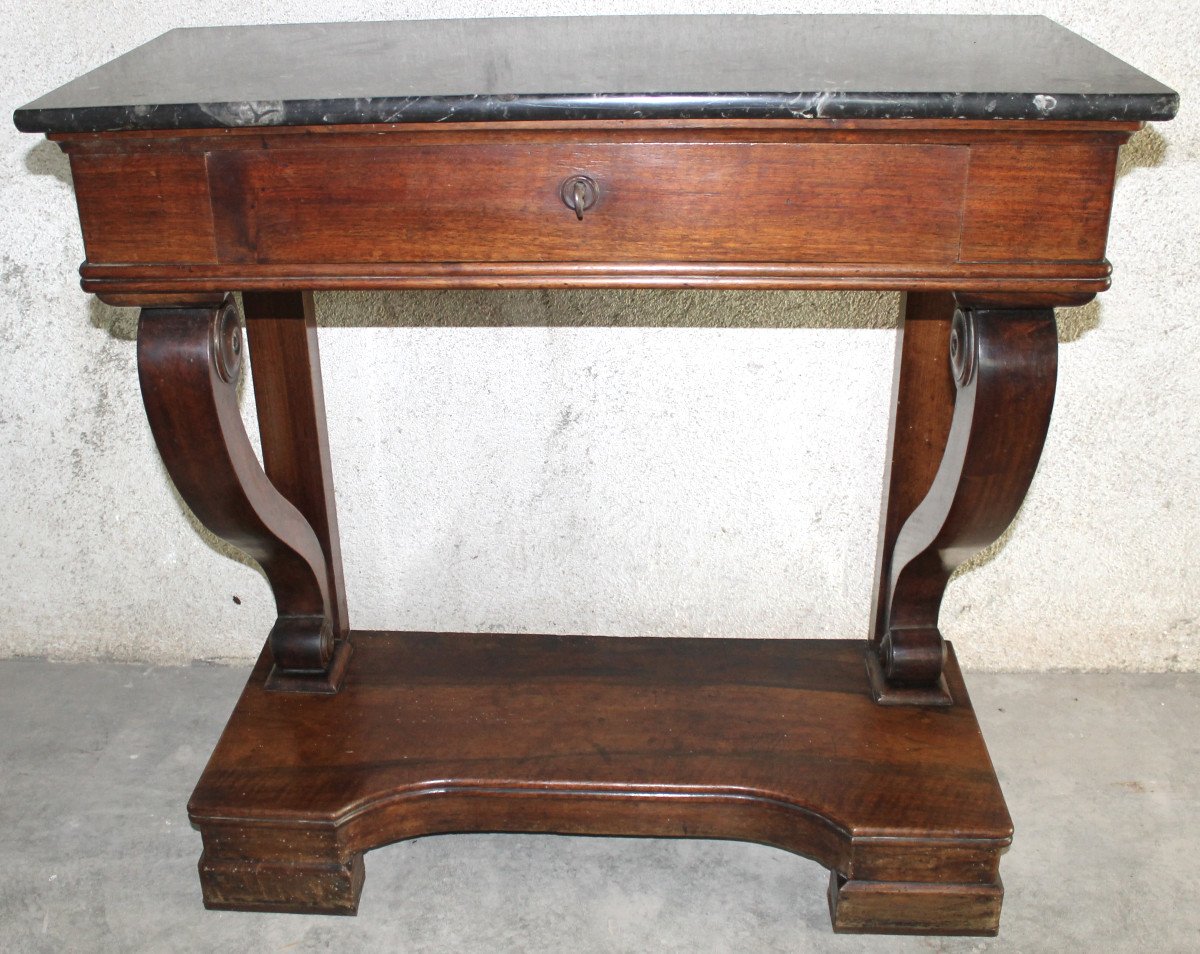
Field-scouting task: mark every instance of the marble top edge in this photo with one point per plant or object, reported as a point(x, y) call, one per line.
point(820, 66)
point(599, 106)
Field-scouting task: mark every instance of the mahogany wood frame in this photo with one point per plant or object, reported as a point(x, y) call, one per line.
point(987, 226)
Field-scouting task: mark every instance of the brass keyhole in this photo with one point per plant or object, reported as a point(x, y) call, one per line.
point(579, 193)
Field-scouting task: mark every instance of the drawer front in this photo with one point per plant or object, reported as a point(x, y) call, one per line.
point(660, 202)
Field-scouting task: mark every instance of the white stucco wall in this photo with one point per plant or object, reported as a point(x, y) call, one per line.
point(562, 476)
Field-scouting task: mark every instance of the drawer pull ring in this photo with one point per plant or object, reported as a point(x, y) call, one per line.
point(579, 193)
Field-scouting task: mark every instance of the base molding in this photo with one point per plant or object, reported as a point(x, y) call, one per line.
point(771, 741)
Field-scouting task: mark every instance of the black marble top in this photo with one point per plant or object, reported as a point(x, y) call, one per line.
point(843, 67)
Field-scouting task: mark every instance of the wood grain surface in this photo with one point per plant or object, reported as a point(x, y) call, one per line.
point(1005, 207)
point(732, 202)
point(776, 741)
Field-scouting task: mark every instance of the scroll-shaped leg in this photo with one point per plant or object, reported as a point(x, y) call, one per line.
point(1004, 365)
point(188, 363)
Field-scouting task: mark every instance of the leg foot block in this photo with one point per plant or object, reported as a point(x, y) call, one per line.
point(323, 683)
point(886, 694)
point(910, 907)
point(309, 887)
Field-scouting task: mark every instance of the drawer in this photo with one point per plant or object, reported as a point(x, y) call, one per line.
point(656, 202)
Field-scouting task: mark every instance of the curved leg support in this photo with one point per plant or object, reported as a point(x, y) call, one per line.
point(188, 364)
point(1004, 364)
point(281, 329)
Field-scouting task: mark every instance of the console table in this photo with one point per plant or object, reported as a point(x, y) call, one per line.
point(965, 161)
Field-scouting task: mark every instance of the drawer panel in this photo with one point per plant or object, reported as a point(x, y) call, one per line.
point(663, 202)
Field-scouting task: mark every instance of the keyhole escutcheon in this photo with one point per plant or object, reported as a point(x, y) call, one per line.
point(579, 193)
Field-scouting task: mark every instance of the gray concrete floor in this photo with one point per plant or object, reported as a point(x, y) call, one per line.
point(96, 854)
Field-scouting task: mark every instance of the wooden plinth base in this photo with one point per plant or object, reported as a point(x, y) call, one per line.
point(772, 741)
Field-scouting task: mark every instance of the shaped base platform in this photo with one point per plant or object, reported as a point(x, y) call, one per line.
point(771, 741)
